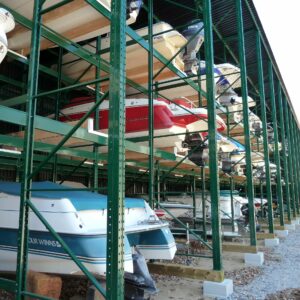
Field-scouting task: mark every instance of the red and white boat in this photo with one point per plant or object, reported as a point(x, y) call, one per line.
point(172, 121)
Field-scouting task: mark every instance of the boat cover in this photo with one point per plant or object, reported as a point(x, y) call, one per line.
point(81, 200)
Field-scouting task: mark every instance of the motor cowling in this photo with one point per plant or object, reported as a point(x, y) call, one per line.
point(133, 6)
point(197, 148)
point(7, 24)
point(194, 33)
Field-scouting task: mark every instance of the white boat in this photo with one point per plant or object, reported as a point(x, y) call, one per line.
point(166, 41)
point(225, 205)
point(176, 209)
point(182, 205)
point(174, 87)
point(224, 87)
point(76, 20)
point(7, 24)
point(80, 218)
point(259, 170)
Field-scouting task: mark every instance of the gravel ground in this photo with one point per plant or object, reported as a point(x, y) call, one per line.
point(280, 272)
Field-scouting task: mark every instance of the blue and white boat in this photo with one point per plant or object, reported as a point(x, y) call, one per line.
point(79, 217)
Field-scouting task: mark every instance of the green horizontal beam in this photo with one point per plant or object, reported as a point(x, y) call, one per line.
point(7, 284)
point(11, 81)
point(55, 6)
point(39, 146)
point(35, 296)
point(46, 70)
point(14, 101)
point(17, 117)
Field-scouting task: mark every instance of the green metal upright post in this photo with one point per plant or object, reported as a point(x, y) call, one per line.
point(116, 154)
point(276, 148)
point(297, 158)
point(212, 136)
point(96, 117)
point(249, 175)
point(26, 183)
point(150, 103)
point(294, 162)
point(203, 196)
point(232, 203)
point(57, 105)
point(261, 199)
point(265, 133)
point(200, 96)
point(157, 184)
point(284, 153)
point(193, 190)
point(288, 133)
point(298, 152)
point(297, 161)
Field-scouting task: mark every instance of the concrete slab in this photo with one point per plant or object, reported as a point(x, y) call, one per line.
point(218, 290)
point(254, 259)
point(271, 242)
point(282, 233)
point(290, 226)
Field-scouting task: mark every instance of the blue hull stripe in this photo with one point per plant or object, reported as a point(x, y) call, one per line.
point(62, 255)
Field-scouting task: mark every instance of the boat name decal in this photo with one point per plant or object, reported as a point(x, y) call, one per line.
point(44, 242)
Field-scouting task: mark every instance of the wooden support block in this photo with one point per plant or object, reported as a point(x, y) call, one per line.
point(94, 294)
point(186, 272)
point(180, 241)
point(262, 236)
point(44, 285)
point(276, 222)
point(276, 227)
point(239, 248)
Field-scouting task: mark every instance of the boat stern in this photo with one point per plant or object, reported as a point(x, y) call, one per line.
point(154, 244)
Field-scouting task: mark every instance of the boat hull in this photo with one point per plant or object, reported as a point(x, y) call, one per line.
point(80, 219)
point(167, 44)
point(77, 21)
point(47, 255)
point(171, 121)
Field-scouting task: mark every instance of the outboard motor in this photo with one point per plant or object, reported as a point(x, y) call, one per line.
point(225, 161)
point(189, 54)
point(133, 8)
point(270, 134)
point(256, 126)
point(259, 172)
point(198, 156)
point(227, 165)
point(7, 24)
point(228, 98)
point(140, 282)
